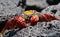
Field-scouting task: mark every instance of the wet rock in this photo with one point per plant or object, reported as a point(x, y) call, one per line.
point(53, 10)
point(52, 2)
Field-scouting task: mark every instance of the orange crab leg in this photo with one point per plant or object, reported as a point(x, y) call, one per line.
point(43, 17)
point(51, 17)
point(7, 25)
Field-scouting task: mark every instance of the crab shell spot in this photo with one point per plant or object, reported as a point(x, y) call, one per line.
point(34, 19)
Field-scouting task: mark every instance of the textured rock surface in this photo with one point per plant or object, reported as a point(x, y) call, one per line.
point(53, 10)
point(8, 8)
point(40, 29)
point(39, 3)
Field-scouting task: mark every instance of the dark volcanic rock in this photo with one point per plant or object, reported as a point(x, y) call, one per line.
point(53, 2)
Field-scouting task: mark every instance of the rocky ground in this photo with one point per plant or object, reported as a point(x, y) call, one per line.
point(10, 8)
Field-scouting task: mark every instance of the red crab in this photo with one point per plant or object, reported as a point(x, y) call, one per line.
point(17, 22)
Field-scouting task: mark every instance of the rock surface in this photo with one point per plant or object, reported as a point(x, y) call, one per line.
point(8, 9)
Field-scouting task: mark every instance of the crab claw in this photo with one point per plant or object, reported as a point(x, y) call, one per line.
point(34, 19)
point(20, 22)
point(43, 17)
point(51, 17)
point(17, 21)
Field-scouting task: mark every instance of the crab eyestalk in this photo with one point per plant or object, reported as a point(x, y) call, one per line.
point(17, 21)
point(34, 19)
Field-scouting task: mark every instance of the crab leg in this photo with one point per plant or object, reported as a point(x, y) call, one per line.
point(18, 22)
point(43, 17)
point(6, 26)
point(51, 17)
